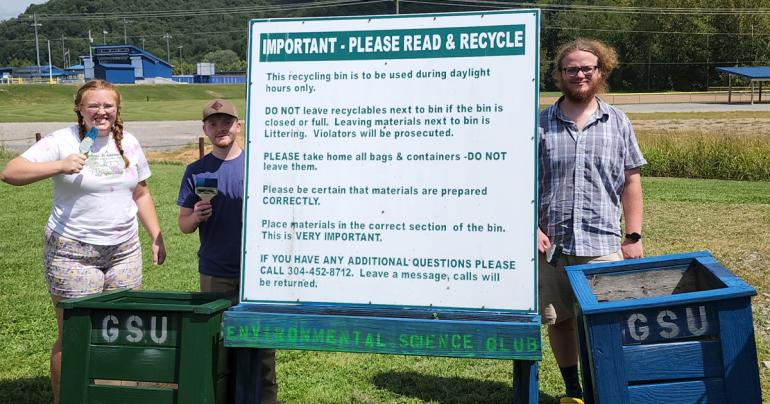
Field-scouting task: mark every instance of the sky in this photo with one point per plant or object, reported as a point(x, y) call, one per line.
point(12, 8)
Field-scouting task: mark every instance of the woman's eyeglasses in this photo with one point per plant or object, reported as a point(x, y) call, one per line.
point(573, 71)
point(93, 108)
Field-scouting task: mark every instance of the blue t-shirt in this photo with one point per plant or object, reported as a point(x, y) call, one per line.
point(220, 236)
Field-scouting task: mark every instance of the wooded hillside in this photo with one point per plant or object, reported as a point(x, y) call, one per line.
point(663, 44)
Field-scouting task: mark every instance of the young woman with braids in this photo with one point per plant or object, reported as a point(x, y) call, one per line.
point(91, 239)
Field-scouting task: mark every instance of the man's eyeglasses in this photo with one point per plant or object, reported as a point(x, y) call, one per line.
point(573, 71)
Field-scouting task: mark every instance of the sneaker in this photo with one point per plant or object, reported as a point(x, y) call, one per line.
point(570, 400)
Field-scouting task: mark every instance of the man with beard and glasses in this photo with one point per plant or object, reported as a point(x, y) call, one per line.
point(589, 166)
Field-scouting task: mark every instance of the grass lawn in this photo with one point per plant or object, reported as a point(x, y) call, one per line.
point(44, 103)
point(726, 217)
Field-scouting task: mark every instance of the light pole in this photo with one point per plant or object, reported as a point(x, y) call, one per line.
point(168, 52)
point(37, 44)
point(180, 59)
point(104, 37)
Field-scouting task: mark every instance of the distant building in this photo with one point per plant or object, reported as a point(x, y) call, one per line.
point(77, 69)
point(206, 74)
point(124, 64)
point(43, 72)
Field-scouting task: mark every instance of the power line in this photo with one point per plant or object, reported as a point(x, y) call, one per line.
point(627, 31)
point(636, 31)
point(451, 3)
point(206, 12)
point(454, 3)
point(596, 8)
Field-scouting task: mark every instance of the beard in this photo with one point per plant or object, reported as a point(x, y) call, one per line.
point(581, 96)
point(223, 143)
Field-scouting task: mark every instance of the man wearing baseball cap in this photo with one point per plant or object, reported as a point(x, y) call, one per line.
point(219, 221)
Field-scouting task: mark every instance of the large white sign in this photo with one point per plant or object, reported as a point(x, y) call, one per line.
point(391, 161)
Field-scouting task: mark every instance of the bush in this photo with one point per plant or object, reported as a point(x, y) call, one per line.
point(705, 155)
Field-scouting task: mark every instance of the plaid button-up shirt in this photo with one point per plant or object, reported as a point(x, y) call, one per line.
point(581, 178)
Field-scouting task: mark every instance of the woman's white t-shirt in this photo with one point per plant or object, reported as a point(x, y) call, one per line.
point(95, 206)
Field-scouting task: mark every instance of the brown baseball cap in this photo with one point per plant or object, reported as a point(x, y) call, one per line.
point(219, 106)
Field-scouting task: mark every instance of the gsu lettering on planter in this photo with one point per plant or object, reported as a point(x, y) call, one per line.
point(668, 323)
point(136, 329)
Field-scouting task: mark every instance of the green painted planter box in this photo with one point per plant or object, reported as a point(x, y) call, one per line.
point(162, 347)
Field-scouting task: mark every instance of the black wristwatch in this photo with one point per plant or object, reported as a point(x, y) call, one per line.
point(633, 237)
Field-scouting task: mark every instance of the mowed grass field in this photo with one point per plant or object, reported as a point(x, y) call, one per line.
point(729, 218)
point(54, 103)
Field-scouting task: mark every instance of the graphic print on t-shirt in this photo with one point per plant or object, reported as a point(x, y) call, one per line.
point(105, 164)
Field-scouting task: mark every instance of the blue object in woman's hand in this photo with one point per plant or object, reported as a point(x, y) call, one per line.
point(88, 141)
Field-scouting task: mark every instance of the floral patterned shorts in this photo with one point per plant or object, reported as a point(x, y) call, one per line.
point(75, 269)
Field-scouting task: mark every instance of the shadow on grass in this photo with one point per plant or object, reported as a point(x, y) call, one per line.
point(447, 390)
point(34, 390)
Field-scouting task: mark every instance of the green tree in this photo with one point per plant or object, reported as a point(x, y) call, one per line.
point(20, 62)
point(225, 60)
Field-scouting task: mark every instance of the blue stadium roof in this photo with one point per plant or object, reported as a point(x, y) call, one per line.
point(116, 66)
point(749, 72)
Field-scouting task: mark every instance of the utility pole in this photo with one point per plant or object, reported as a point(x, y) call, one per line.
point(649, 61)
point(708, 57)
point(37, 44)
point(90, 46)
point(63, 55)
point(104, 37)
point(142, 43)
point(50, 66)
point(180, 58)
point(168, 52)
point(125, 37)
point(397, 10)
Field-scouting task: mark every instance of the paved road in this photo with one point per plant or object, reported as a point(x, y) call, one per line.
point(153, 136)
point(172, 135)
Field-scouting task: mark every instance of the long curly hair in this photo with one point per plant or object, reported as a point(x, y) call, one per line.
point(608, 58)
point(117, 127)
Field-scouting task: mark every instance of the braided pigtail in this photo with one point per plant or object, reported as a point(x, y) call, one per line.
point(117, 135)
point(78, 99)
point(81, 124)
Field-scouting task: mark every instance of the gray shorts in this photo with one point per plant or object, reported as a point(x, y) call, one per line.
point(555, 297)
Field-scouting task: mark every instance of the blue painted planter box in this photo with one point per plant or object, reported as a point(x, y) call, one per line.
point(668, 329)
